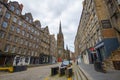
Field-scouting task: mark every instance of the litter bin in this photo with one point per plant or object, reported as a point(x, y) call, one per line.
point(98, 66)
point(54, 70)
point(69, 72)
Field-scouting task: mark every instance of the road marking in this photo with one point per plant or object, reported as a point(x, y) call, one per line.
point(70, 78)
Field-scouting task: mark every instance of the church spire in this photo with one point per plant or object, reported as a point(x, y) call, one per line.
point(66, 47)
point(60, 29)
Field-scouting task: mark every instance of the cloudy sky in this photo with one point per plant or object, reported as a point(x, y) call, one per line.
point(50, 12)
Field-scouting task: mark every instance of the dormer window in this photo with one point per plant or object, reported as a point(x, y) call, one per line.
point(30, 21)
point(12, 8)
point(27, 18)
point(17, 11)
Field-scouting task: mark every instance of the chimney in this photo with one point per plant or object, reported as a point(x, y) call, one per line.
point(21, 6)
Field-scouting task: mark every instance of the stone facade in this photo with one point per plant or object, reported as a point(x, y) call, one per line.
point(96, 37)
point(113, 6)
point(22, 40)
point(53, 48)
point(67, 54)
point(45, 45)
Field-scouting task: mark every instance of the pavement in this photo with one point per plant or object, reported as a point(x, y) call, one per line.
point(56, 77)
point(90, 72)
point(78, 74)
point(35, 73)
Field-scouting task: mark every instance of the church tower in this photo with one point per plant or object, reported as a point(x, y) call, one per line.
point(60, 44)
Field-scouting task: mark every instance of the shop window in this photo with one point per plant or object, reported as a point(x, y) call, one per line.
point(7, 48)
point(7, 15)
point(12, 8)
point(4, 24)
point(27, 59)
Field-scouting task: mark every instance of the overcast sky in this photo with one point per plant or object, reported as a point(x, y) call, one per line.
point(50, 12)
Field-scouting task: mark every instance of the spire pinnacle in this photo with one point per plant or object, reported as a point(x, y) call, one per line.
point(66, 47)
point(60, 29)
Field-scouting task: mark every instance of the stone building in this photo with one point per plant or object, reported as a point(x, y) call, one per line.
point(45, 45)
point(22, 40)
point(60, 44)
point(53, 48)
point(96, 38)
point(67, 54)
point(113, 6)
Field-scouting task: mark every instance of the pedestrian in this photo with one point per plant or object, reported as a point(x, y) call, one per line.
point(77, 62)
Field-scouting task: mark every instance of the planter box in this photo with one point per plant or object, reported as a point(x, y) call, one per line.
point(19, 68)
point(54, 70)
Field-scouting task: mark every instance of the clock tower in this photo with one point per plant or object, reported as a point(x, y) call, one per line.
point(60, 44)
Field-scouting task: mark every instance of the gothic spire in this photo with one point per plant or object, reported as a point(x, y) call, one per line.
point(60, 29)
point(66, 47)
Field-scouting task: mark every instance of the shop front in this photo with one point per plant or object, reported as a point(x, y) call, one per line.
point(106, 47)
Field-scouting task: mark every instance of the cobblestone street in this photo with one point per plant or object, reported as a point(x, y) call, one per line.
point(36, 73)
